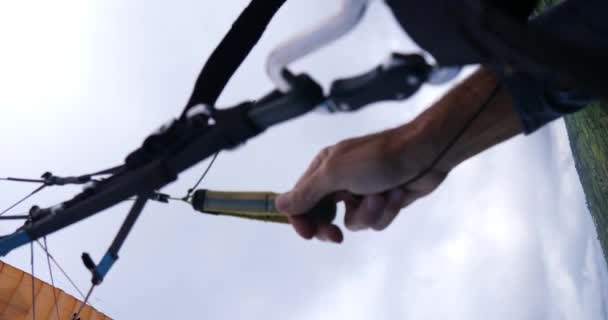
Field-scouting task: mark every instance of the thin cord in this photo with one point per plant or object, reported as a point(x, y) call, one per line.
point(202, 176)
point(48, 261)
point(76, 316)
point(33, 282)
point(23, 199)
point(457, 137)
point(61, 269)
point(19, 217)
point(22, 180)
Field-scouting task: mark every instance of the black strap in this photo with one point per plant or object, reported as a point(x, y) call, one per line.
point(232, 51)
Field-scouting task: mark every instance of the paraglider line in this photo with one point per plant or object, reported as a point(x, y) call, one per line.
point(23, 199)
point(48, 261)
point(33, 282)
point(61, 269)
point(22, 180)
point(83, 304)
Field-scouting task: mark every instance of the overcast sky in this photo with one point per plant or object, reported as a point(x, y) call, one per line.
point(507, 236)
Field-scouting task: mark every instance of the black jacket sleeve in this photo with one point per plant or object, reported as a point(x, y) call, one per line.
point(582, 23)
point(539, 101)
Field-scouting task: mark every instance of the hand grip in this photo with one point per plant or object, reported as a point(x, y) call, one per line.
point(249, 205)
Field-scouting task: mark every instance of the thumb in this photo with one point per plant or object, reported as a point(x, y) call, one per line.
point(306, 194)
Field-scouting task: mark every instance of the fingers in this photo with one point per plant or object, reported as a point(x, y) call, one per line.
point(318, 225)
point(364, 213)
point(312, 187)
point(377, 211)
point(305, 227)
point(329, 232)
point(308, 229)
point(397, 199)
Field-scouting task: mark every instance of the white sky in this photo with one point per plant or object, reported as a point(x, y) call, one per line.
point(507, 236)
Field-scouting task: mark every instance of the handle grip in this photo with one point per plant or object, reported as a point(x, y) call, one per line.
point(249, 205)
point(397, 79)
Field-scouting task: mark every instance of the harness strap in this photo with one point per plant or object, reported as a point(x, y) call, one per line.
point(244, 34)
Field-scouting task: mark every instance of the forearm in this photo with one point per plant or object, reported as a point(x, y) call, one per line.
point(379, 174)
point(444, 121)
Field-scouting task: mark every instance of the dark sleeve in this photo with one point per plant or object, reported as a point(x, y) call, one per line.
point(539, 101)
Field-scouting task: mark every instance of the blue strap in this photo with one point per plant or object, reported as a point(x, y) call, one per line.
point(10, 242)
point(104, 266)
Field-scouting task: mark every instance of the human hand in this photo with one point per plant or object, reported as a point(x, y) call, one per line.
point(377, 175)
point(372, 175)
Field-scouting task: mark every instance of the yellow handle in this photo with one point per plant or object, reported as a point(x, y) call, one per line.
point(249, 205)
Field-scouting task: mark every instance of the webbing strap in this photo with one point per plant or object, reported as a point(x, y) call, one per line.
point(232, 51)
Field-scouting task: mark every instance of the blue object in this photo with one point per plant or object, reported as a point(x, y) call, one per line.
point(104, 265)
point(10, 242)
